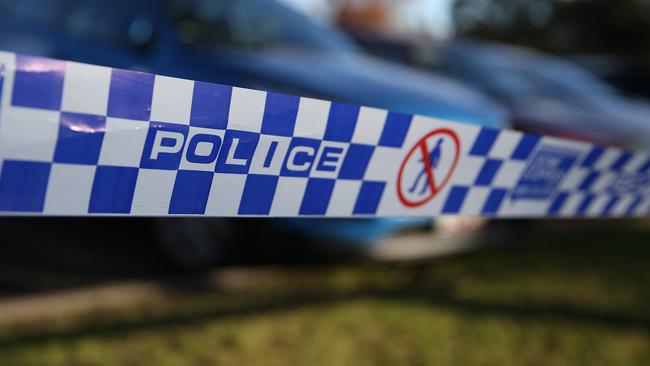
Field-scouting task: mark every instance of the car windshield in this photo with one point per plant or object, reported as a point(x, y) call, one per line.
point(573, 81)
point(510, 81)
point(555, 81)
point(250, 24)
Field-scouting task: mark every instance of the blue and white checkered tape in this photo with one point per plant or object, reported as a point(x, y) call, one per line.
point(78, 139)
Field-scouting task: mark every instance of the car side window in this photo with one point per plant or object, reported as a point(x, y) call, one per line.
point(45, 14)
point(201, 23)
point(248, 24)
point(235, 24)
point(120, 22)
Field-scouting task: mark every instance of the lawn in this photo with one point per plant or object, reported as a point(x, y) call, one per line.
point(580, 298)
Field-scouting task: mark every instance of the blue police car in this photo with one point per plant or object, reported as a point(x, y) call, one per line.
point(251, 43)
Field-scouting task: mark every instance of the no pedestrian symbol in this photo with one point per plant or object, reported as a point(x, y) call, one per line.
point(427, 167)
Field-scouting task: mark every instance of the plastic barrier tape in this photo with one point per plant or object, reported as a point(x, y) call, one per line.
point(79, 139)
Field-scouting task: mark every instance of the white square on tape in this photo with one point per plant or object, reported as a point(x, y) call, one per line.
point(225, 194)
point(370, 125)
point(246, 109)
point(509, 173)
point(505, 144)
point(475, 200)
point(172, 100)
point(288, 196)
point(311, 119)
point(470, 167)
point(28, 134)
point(384, 164)
point(68, 189)
point(153, 192)
point(85, 88)
point(344, 197)
point(123, 142)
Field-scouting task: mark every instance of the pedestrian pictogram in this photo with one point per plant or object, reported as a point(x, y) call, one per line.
point(427, 167)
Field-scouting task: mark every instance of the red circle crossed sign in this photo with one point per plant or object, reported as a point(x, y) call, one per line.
point(422, 149)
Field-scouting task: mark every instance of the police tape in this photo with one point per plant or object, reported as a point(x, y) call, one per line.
point(78, 139)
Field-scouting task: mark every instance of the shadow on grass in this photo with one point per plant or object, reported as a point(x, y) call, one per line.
point(438, 298)
point(615, 255)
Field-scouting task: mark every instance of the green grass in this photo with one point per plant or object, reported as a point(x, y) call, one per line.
point(569, 299)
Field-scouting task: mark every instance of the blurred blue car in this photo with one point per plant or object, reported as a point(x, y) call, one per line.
point(547, 94)
point(259, 44)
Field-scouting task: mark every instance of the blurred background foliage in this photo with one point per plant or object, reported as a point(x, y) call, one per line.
point(561, 26)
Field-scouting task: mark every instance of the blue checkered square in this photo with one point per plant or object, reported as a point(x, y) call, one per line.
point(190, 194)
point(455, 200)
point(341, 122)
point(494, 201)
point(112, 190)
point(592, 157)
point(525, 147)
point(585, 204)
point(395, 129)
point(645, 167)
point(210, 105)
point(258, 194)
point(23, 185)
point(356, 161)
point(621, 161)
point(317, 196)
point(280, 113)
point(488, 172)
point(369, 198)
point(589, 181)
point(557, 203)
point(38, 82)
point(130, 95)
point(80, 138)
point(484, 141)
